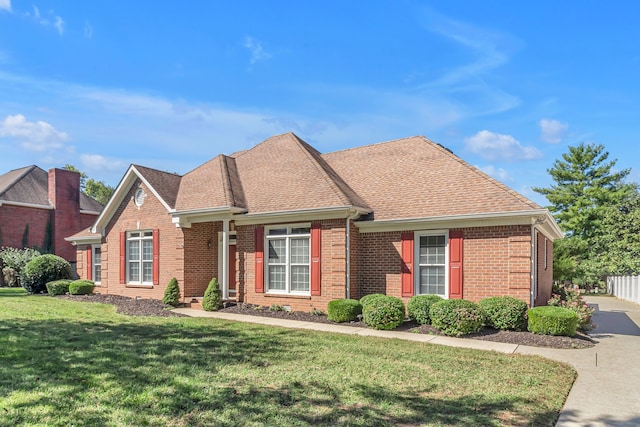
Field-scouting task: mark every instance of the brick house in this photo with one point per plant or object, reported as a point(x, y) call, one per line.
point(39, 209)
point(283, 224)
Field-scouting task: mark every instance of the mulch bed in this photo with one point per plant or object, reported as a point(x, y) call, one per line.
point(148, 307)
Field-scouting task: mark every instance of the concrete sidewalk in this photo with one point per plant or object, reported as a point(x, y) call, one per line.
point(606, 392)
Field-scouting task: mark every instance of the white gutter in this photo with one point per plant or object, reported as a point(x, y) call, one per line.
point(300, 214)
point(89, 212)
point(348, 254)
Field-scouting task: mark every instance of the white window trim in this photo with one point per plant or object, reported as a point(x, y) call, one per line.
point(93, 263)
point(416, 259)
point(141, 261)
point(288, 236)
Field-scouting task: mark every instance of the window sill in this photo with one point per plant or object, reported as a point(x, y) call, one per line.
point(293, 296)
point(138, 285)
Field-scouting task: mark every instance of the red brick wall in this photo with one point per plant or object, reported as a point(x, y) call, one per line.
point(544, 270)
point(13, 220)
point(128, 217)
point(64, 194)
point(496, 262)
point(333, 261)
point(201, 257)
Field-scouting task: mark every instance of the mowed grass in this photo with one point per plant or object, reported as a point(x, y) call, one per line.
point(66, 363)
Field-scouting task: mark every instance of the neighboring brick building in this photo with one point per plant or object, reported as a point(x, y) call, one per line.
point(39, 209)
point(283, 224)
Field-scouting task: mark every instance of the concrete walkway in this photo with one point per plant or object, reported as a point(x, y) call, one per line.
point(607, 391)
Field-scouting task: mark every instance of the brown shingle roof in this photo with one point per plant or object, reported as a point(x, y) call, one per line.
point(166, 184)
point(416, 178)
point(284, 173)
point(25, 185)
point(213, 184)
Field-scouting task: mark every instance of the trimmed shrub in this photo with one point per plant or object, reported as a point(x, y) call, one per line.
point(505, 313)
point(81, 287)
point(43, 269)
point(383, 312)
point(172, 293)
point(212, 296)
point(456, 317)
point(367, 298)
point(550, 320)
point(343, 310)
point(419, 306)
point(58, 287)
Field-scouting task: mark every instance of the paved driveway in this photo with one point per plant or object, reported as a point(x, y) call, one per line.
point(607, 391)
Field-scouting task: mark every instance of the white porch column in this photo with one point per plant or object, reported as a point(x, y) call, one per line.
point(224, 280)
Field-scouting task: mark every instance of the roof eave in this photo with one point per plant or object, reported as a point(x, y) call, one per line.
point(334, 212)
point(185, 218)
point(528, 217)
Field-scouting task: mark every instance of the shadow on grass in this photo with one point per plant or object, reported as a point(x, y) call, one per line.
point(176, 371)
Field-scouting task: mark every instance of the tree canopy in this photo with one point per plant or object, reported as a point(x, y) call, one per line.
point(588, 198)
point(89, 186)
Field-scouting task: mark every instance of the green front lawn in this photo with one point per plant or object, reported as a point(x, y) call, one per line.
point(66, 363)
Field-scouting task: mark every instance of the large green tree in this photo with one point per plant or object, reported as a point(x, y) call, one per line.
point(89, 186)
point(586, 188)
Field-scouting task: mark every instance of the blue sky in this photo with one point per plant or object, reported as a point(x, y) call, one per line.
point(505, 85)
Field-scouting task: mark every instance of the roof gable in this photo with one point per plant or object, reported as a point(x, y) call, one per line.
point(284, 173)
point(416, 178)
point(25, 185)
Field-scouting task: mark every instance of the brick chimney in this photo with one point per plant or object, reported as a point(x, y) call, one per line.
point(64, 195)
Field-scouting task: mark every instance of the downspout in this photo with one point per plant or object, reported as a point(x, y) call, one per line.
point(348, 253)
point(348, 258)
point(225, 259)
point(534, 266)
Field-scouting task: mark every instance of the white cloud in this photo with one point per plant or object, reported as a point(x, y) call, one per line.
point(552, 131)
point(5, 5)
point(88, 30)
point(96, 162)
point(33, 136)
point(498, 173)
point(495, 146)
point(59, 24)
point(257, 51)
point(46, 20)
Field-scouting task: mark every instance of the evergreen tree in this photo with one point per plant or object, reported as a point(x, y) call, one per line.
point(585, 188)
point(172, 293)
point(212, 296)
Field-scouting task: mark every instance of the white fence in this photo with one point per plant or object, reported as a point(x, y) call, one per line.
point(625, 287)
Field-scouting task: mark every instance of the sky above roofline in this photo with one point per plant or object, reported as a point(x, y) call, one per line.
point(507, 86)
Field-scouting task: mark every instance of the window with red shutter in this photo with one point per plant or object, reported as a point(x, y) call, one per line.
point(259, 258)
point(455, 264)
point(407, 264)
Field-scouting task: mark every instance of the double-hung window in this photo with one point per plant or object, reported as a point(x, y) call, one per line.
point(288, 262)
point(140, 257)
point(431, 254)
point(96, 263)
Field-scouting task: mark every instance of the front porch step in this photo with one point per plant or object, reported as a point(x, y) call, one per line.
point(196, 302)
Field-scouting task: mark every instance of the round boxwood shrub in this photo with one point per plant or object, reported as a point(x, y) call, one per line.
point(81, 287)
point(172, 293)
point(43, 269)
point(505, 313)
point(58, 287)
point(367, 298)
point(419, 306)
point(212, 296)
point(343, 310)
point(383, 312)
point(456, 317)
point(550, 320)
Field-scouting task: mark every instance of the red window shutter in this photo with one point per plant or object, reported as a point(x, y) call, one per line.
point(407, 264)
point(455, 264)
point(316, 251)
point(156, 256)
point(89, 262)
point(123, 256)
point(259, 254)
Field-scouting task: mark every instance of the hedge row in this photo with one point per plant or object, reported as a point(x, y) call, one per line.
point(455, 317)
